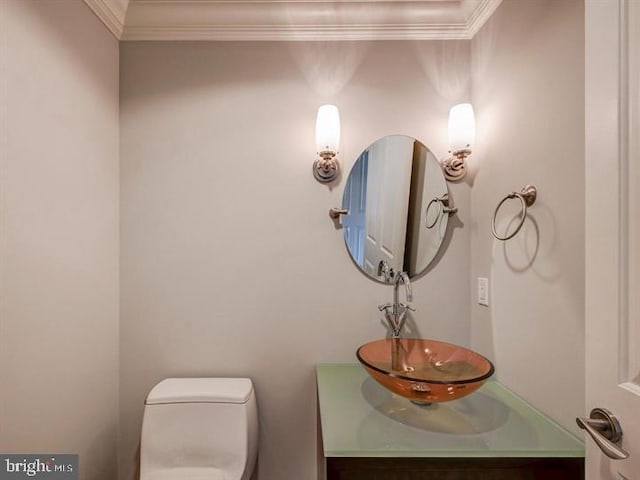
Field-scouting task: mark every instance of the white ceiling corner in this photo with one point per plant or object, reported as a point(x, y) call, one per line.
point(111, 12)
point(293, 20)
point(480, 15)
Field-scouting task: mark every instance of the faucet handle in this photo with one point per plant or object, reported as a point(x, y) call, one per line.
point(408, 306)
point(384, 306)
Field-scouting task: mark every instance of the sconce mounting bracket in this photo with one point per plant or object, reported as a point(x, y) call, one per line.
point(325, 168)
point(454, 168)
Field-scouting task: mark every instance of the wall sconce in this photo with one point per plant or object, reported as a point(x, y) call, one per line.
point(462, 132)
point(325, 168)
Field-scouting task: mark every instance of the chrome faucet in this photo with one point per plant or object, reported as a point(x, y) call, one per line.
point(396, 313)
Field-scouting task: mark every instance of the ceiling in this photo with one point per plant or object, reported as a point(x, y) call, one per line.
point(293, 20)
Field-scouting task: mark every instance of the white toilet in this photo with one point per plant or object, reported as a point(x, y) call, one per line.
point(199, 429)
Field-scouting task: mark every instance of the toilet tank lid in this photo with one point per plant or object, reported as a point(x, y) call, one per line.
point(201, 390)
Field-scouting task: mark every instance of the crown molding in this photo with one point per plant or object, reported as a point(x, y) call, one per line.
point(480, 16)
point(293, 20)
point(111, 12)
point(297, 33)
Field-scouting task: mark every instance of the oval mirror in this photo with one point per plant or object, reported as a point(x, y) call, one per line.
point(398, 208)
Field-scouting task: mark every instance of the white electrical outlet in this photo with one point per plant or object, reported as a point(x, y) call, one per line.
point(483, 291)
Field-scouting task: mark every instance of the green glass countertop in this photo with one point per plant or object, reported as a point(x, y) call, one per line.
point(360, 418)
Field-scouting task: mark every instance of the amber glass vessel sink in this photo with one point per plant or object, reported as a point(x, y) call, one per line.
point(425, 371)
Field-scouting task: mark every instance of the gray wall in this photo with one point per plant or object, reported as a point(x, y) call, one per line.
point(59, 227)
point(528, 92)
point(230, 263)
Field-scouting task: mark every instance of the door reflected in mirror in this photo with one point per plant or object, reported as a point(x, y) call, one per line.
point(397, 200)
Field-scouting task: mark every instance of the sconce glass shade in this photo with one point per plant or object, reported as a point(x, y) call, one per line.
point(462, 128)
point(325, 168)
point(462, 134)
point(327, 129)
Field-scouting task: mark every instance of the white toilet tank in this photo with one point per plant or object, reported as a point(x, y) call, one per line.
point(199, 428)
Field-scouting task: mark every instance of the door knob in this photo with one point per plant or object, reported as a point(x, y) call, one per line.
point(604, 428)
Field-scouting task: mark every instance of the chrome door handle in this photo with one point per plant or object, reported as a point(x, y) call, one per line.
point(604, 428)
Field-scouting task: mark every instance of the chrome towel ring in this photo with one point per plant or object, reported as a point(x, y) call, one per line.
point(527, 198)
point(443, 204)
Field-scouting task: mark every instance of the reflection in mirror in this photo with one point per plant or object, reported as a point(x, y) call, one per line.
point(398, 205)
